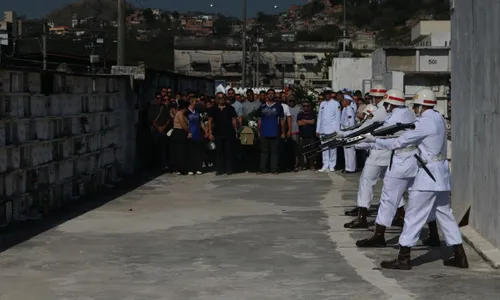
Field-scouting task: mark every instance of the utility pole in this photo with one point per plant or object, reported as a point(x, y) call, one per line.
point(257, 77)
point(120, 53)
point(283, 75)
point(44, 46)
point(244, 45)
point(345, 33)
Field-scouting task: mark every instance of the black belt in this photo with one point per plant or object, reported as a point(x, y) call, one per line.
point(392, 157)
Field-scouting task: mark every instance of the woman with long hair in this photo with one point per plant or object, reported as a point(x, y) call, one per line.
point(195, 138)
point(179, 138)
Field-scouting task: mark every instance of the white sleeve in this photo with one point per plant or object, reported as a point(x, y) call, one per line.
point(286, 110)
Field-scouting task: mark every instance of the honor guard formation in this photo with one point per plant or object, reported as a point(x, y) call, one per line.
point(407, 149)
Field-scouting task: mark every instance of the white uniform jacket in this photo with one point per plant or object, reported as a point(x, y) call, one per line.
point(403, 164)
point(348, 118)
point(430, 136)
point(328, 117)
point(377, 157)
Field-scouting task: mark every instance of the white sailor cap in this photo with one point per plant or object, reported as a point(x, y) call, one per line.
point(347, 97)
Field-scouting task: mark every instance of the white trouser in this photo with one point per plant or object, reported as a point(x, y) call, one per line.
point(350, 159)
point(391, 198)
point(420, 206)
point(368, 179)
point(329, 158)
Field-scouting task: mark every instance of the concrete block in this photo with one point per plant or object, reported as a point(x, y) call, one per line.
point(2, 134)
point(34, 83)
point(93, 103)
point(51, 172)
point(16, 82)
point(3, 160)
point(26, 157)
point(13, 158)
point(8, 212)
point(68, 148)
point(485, 249)
point(2, 185)
point(68, 191)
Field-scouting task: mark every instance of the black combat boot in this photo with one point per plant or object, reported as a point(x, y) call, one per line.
point(433, 239)
point(399, 219)
point(353, 213)
point(402, 262)
point(459, 259)
point(377, 240)
point(360, 221)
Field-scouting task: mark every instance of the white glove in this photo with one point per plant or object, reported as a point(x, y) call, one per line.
point(340, 134)
point(369, 138)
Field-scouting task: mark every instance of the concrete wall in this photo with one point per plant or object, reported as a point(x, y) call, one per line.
point(429, 27)
point(379, 62)
point(350, 72)
point(476, 103)
point(62, 144)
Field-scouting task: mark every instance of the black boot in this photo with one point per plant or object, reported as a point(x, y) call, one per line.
point(377, 240)
point(402, 262)
point(399, 219)
point(459, 259)
point(352, 213)
point(433, 239)
point(360, 221)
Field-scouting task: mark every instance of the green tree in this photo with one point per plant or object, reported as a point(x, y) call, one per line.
point(322, 34)
point(311, 9)
point(223, 26)
point(149, 18)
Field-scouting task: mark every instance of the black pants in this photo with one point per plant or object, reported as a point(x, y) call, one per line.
point(361, 156)
point(249, 158)
point(224, 154)
point(269, 153)
point(306, 145)
point(340, 159)
point(159, 150)
point(178, 146)
point(195, 155)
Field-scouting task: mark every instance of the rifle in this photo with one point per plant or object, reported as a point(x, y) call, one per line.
point(383, 132)
point(323, 139)
point(338, 142)
point(357, 136)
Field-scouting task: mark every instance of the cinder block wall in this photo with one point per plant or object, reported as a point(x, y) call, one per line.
point(61, 137)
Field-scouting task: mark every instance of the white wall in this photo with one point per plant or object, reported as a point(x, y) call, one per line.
point(350, 72)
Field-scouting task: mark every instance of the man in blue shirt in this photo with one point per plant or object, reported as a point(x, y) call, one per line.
point(271, 127)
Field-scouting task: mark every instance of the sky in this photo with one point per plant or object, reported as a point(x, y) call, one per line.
point(39, 8)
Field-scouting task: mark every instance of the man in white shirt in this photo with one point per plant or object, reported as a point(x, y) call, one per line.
point(328, 123)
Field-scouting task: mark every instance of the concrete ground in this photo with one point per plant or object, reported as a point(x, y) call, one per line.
point(238, 237)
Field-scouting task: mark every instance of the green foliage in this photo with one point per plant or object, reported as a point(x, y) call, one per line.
point(303, 94)
point(223, 25)
point(311, 9)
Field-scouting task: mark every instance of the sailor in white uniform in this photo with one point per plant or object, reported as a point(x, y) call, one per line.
point(430, 191)
point(348, 119)
point(328, 123)
point(400, 173)
point(375, 167)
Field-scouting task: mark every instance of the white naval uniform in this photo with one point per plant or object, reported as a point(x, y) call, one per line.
point(376, 163)
point(348, 119)
point(400, 175)
point(427, 197)
point(328, 123)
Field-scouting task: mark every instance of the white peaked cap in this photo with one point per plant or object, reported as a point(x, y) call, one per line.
point(220, 89)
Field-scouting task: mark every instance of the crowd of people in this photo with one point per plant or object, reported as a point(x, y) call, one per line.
point(192, 134)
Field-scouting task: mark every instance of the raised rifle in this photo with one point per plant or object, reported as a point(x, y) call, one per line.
point(356, 126)
point(382, 132)
point(323, 139)
point(339, 142)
